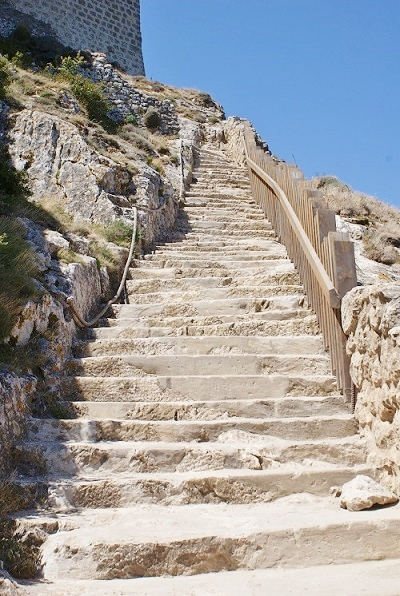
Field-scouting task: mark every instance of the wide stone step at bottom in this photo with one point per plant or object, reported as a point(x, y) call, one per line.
point(368, 578)
point(196, 388)
point(292, 532)
point(42, 430)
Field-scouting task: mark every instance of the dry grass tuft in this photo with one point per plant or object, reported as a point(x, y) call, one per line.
point(382, 221)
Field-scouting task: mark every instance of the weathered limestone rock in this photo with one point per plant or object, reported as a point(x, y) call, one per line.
point(61, 166)
point(363, 493)
point(371, 318)
point(15, 394)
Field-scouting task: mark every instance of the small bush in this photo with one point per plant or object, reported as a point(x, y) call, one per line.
point(4, 75)
point(131, 119)
point(18, 267)
point(152, 119)
point(119, 232)
point(90, 95)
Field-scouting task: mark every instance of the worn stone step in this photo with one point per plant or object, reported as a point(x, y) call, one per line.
point(198, 388)
point(78, 460)
point(292, 532)
point(268, 283)
point(272, 323)
point(301, 345)
point(42, 430)
point(208, 243)
point(370, 578)
point(235, 486)
point(170, 364)
point(213, 410)
point(216, 225)
point(177, 296)
point(224, 306)
point(182, 269)
point(274, 251)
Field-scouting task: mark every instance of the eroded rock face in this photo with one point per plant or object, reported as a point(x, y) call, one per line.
point(61, 166)
point(363, 493)
point(15, 394)
point(371, 318)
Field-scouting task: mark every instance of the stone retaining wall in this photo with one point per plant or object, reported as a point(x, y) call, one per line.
point(371, 319)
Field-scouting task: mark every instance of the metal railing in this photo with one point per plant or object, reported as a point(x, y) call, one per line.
point(324, 258)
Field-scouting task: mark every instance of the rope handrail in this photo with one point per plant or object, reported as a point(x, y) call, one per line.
point(70, 300)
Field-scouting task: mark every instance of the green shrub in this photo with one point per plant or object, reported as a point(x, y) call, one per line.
point(18, 267)
point(131, 119)
point(119, 232)
point(152, 118)
point(91, 96)
point(4, 75)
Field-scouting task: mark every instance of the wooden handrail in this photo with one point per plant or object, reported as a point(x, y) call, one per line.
point(323, 257)
point(324, 280)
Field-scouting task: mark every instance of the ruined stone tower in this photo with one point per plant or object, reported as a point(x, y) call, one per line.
point(109, 26)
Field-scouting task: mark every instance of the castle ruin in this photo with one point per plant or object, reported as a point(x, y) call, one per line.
point(108, 26)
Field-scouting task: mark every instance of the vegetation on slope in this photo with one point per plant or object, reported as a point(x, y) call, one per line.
point(381, 239)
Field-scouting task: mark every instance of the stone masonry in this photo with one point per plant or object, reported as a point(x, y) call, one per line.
point(108, 26)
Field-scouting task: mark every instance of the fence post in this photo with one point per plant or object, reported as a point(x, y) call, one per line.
point(344, 278)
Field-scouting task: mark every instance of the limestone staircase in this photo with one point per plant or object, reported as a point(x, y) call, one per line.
point(209, 429)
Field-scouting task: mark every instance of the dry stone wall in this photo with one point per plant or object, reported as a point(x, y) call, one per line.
point(108, 26)
point(371, 319)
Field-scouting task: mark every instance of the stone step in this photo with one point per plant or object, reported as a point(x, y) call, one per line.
point(78, 460)
point(217, 224)
point(200, 214)
point(369, 578)
point(273, 323)
point(167, 363)
point(177, 296)
point(224, 255)
point(211, 244)
point(170, 364)
point(313, 427)
point(209, 308)
point(139, 285)
point(195, 388)
point(212, 410)
point(206, 267)
point(203, 200)
point(197, 487)
point(226, 233)
point(300, 345)
point(191, 539)
point(182, 269)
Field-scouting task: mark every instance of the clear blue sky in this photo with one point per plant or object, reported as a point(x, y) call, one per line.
point(319, 79)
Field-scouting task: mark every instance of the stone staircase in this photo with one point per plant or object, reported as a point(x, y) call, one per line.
point(209, 429)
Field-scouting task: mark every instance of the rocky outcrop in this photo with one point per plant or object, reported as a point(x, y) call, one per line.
point(61, 166)
point(15, 395)
point(371, 319)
